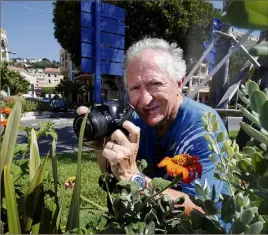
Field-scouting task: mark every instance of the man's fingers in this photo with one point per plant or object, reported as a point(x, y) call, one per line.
point(121, 151)
point(82, 110)
point(134, 131)
point(119, 137)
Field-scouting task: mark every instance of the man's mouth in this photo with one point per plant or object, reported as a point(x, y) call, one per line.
point(151, 109)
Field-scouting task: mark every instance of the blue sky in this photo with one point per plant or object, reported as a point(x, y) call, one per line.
point(30, 32)
point(30, 29)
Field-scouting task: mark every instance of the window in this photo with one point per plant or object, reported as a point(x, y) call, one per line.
point(49, 81)
point(49, 75)
point(55, 75)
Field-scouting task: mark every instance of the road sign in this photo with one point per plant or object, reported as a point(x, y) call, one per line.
point(102, 41)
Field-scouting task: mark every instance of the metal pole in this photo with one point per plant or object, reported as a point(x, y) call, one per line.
point(198, 84)
point(97, 80)
point(251, 58)
point(220, 64)
point(206, 52)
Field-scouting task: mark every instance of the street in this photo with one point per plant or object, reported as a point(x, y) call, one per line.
point(67, 140)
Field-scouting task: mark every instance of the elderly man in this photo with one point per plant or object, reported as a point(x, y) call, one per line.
point(165, 122)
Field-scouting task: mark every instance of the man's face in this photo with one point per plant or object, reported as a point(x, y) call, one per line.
point(152, 92)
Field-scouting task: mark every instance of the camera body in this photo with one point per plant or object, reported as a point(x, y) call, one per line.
point(103, 119)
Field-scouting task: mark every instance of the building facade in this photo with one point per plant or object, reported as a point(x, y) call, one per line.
point(4, 46)
point(195, 80)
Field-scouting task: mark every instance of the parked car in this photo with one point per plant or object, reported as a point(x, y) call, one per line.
point(59, 105)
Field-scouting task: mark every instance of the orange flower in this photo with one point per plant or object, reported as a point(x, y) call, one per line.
point(3, 123)
point(5, 110)
point(183, 164)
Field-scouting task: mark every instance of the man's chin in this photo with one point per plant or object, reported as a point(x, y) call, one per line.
point(153, 121)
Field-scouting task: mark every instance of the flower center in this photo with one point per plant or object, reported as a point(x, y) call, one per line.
point(182, 160)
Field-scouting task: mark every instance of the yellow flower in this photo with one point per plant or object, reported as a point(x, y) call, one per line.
point(70, 182)
point(183, 164)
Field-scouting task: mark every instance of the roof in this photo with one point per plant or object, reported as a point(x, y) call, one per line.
point(52, 70)
point(12, 68)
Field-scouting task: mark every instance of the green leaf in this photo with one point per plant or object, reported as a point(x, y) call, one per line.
point(199, 189)
point(216, 127)
point(210, 207)
point(150, 227)
point(259, 49)
point(257, 100)
point(175, 181)
point(249, 150)
point(264, 116)
point(221, 137)
point(247, 14)
point(54, 166)
point(142, 164)
point(263, 208)
point(214, 118)
point(10, 137)
point(213, 194)
point(34, 161)
point(254, 133)
point(244, 165)
point(11, 203)
point(248, 115)
point(243, 98)
point(32, 196)
point(247, 216)
point(263, 182)
point(209, 139)
point(238, 227)
point(255, 228)
point(57, 215)
point(73, 216)
point(159, 183)
point(258, 164)
point(239, 200)
point(252, 86)
point(228, 209)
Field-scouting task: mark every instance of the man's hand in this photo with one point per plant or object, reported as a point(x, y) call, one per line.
point(121, 152)
point(188, 204)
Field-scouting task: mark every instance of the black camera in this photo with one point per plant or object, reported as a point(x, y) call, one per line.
point(103, 119)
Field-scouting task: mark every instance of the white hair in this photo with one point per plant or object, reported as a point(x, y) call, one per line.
point(176, 64)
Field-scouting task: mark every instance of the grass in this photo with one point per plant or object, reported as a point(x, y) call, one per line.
point(67, 163)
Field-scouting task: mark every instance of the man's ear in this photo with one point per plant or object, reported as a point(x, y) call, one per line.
point(180, 83)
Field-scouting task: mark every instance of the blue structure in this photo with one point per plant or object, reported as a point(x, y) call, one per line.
point(211, 57)
point(102, 41)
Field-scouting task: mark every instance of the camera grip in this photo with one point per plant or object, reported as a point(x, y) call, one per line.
point(127, 116)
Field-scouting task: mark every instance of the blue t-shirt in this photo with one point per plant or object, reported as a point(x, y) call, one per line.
point(185, 135)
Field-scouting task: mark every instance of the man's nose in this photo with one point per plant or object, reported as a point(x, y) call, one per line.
point(145, 98)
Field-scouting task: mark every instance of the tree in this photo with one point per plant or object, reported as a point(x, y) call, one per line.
point(68, 87)
point(13, 80)
point(186, 22)
point(47, 90)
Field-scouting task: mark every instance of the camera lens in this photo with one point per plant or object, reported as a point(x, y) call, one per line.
point(97, 125)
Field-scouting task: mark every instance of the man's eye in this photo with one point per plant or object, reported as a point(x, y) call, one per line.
point(134, 89)
point(156, 83)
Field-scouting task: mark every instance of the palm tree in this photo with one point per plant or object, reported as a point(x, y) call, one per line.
point(13, 80)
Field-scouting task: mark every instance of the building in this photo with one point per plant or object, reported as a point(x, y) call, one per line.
point(4, 46)
point(195, 80)
point(52, 77)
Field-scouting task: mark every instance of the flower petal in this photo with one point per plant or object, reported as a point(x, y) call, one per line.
point(165, 162)
point(198, 168)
